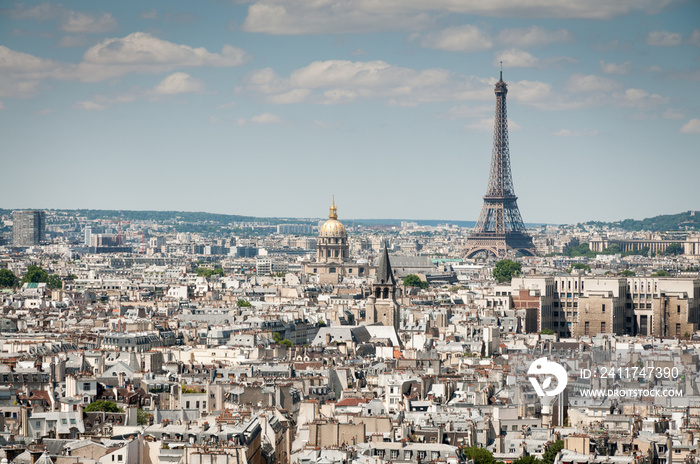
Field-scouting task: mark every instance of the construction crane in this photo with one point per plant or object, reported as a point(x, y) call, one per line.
point(119, 221)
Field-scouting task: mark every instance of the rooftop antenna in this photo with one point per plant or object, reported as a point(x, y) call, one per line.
point(501, 70)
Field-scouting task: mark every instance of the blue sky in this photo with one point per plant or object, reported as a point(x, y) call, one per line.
point(268, 107)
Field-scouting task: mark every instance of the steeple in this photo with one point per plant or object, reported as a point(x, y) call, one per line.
point(385, 275)
point(334, 211)
point(382, 307)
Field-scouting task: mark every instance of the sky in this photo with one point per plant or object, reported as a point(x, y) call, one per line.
point(270, 107)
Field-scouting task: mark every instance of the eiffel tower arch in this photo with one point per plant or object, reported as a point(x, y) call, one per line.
point(500, 229)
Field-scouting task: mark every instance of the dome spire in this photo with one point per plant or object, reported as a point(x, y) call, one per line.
point(334, 211)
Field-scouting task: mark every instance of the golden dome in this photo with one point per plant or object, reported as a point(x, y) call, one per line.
point(332, 227)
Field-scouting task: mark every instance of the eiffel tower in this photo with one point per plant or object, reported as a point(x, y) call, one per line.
point(500, 229)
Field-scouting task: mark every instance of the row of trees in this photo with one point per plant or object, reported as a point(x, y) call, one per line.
point(575, 249)
point(34, 274)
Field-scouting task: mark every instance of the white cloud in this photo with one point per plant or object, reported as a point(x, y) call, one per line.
point(293, 96)
point(21, 73)
point(73, 22)
point(691, 127)
point(81, 23)
point(89, 105)
point(293, 17)
point(140, 52)
point(695, 37)
point(614, 68)
point(265, 118)
point(342, 81)
point(297, 17)
point(579, 83)
point(516, 59)
point(178, 83)
point(663, 39)
point(575, 133)
point(639, 98)
point(44, 12)
point(44, 111)
point(671, 114)
point(458, 39)
point(533, 36)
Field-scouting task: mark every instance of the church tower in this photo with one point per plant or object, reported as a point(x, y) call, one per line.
point(382, 307)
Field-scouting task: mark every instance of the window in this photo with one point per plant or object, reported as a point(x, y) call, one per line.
point(86, 386)
point(187, 405)
point(585, 328)
point(602, 308)
point(602, 326)
point(678, 309)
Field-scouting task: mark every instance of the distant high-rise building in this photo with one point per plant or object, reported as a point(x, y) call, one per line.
point(28, 228)
point(500, 229)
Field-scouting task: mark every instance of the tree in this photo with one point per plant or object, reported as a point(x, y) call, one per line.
point(547, 332)
point(206, 272)
point(103, 405)
point(627, 273)
point(661, 274)
point(552, 451)
point(527, 460)
point(54, 282)
point(479, 455)
point(581, 266)
point(8, 278)
point(613, 249)
point(142, 417)
point(505, 270)
point(243, 304)
point(35, 274)
point(413, 280)
point(674, 249)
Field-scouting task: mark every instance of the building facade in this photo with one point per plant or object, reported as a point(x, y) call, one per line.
point(577, 305)
point(28, 228)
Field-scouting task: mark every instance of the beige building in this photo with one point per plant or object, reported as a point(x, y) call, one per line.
point(691, 245)
point(333, 253)
point(578, 305)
